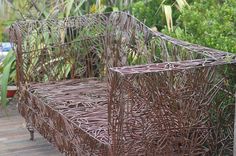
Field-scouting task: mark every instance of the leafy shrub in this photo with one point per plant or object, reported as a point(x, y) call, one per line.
point(211, 23)
point(150, 12)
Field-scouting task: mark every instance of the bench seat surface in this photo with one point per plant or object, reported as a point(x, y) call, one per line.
point(74, 108)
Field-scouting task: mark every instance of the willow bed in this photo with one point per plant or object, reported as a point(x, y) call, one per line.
point(105, 84)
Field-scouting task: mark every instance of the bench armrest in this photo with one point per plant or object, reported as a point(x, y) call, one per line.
point(153, 108)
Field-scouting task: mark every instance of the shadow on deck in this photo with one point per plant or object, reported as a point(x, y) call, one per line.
point(14, 137)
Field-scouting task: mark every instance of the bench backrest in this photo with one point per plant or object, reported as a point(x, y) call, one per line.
point(87, 46)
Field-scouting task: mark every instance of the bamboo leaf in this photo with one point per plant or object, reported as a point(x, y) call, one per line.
point(4, 83)
point(77, 9)
point(98, 5)
point(181, 4)
point(7, 59)
point(168, 14)
point(161, 5)
point(69, 5)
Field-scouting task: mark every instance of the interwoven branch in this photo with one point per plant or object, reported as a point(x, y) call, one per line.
point(105, 84)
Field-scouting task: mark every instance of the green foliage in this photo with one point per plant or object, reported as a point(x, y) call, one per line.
point(210, 23)
point(151, 11)
point(145, 12)
point(8, 74)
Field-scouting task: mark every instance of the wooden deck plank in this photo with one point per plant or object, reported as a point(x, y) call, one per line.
point(14, 138)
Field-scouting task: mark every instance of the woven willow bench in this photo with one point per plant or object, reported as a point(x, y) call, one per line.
point(105, 84)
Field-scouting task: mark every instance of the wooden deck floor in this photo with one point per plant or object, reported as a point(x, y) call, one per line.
point(14, 137)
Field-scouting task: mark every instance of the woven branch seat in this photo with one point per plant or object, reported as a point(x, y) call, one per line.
point(61, 109)
point(105, 84)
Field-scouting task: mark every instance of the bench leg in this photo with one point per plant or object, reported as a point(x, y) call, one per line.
point(31, 130)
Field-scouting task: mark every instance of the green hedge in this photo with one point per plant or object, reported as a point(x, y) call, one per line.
point(211, 23)
point(150, 12)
